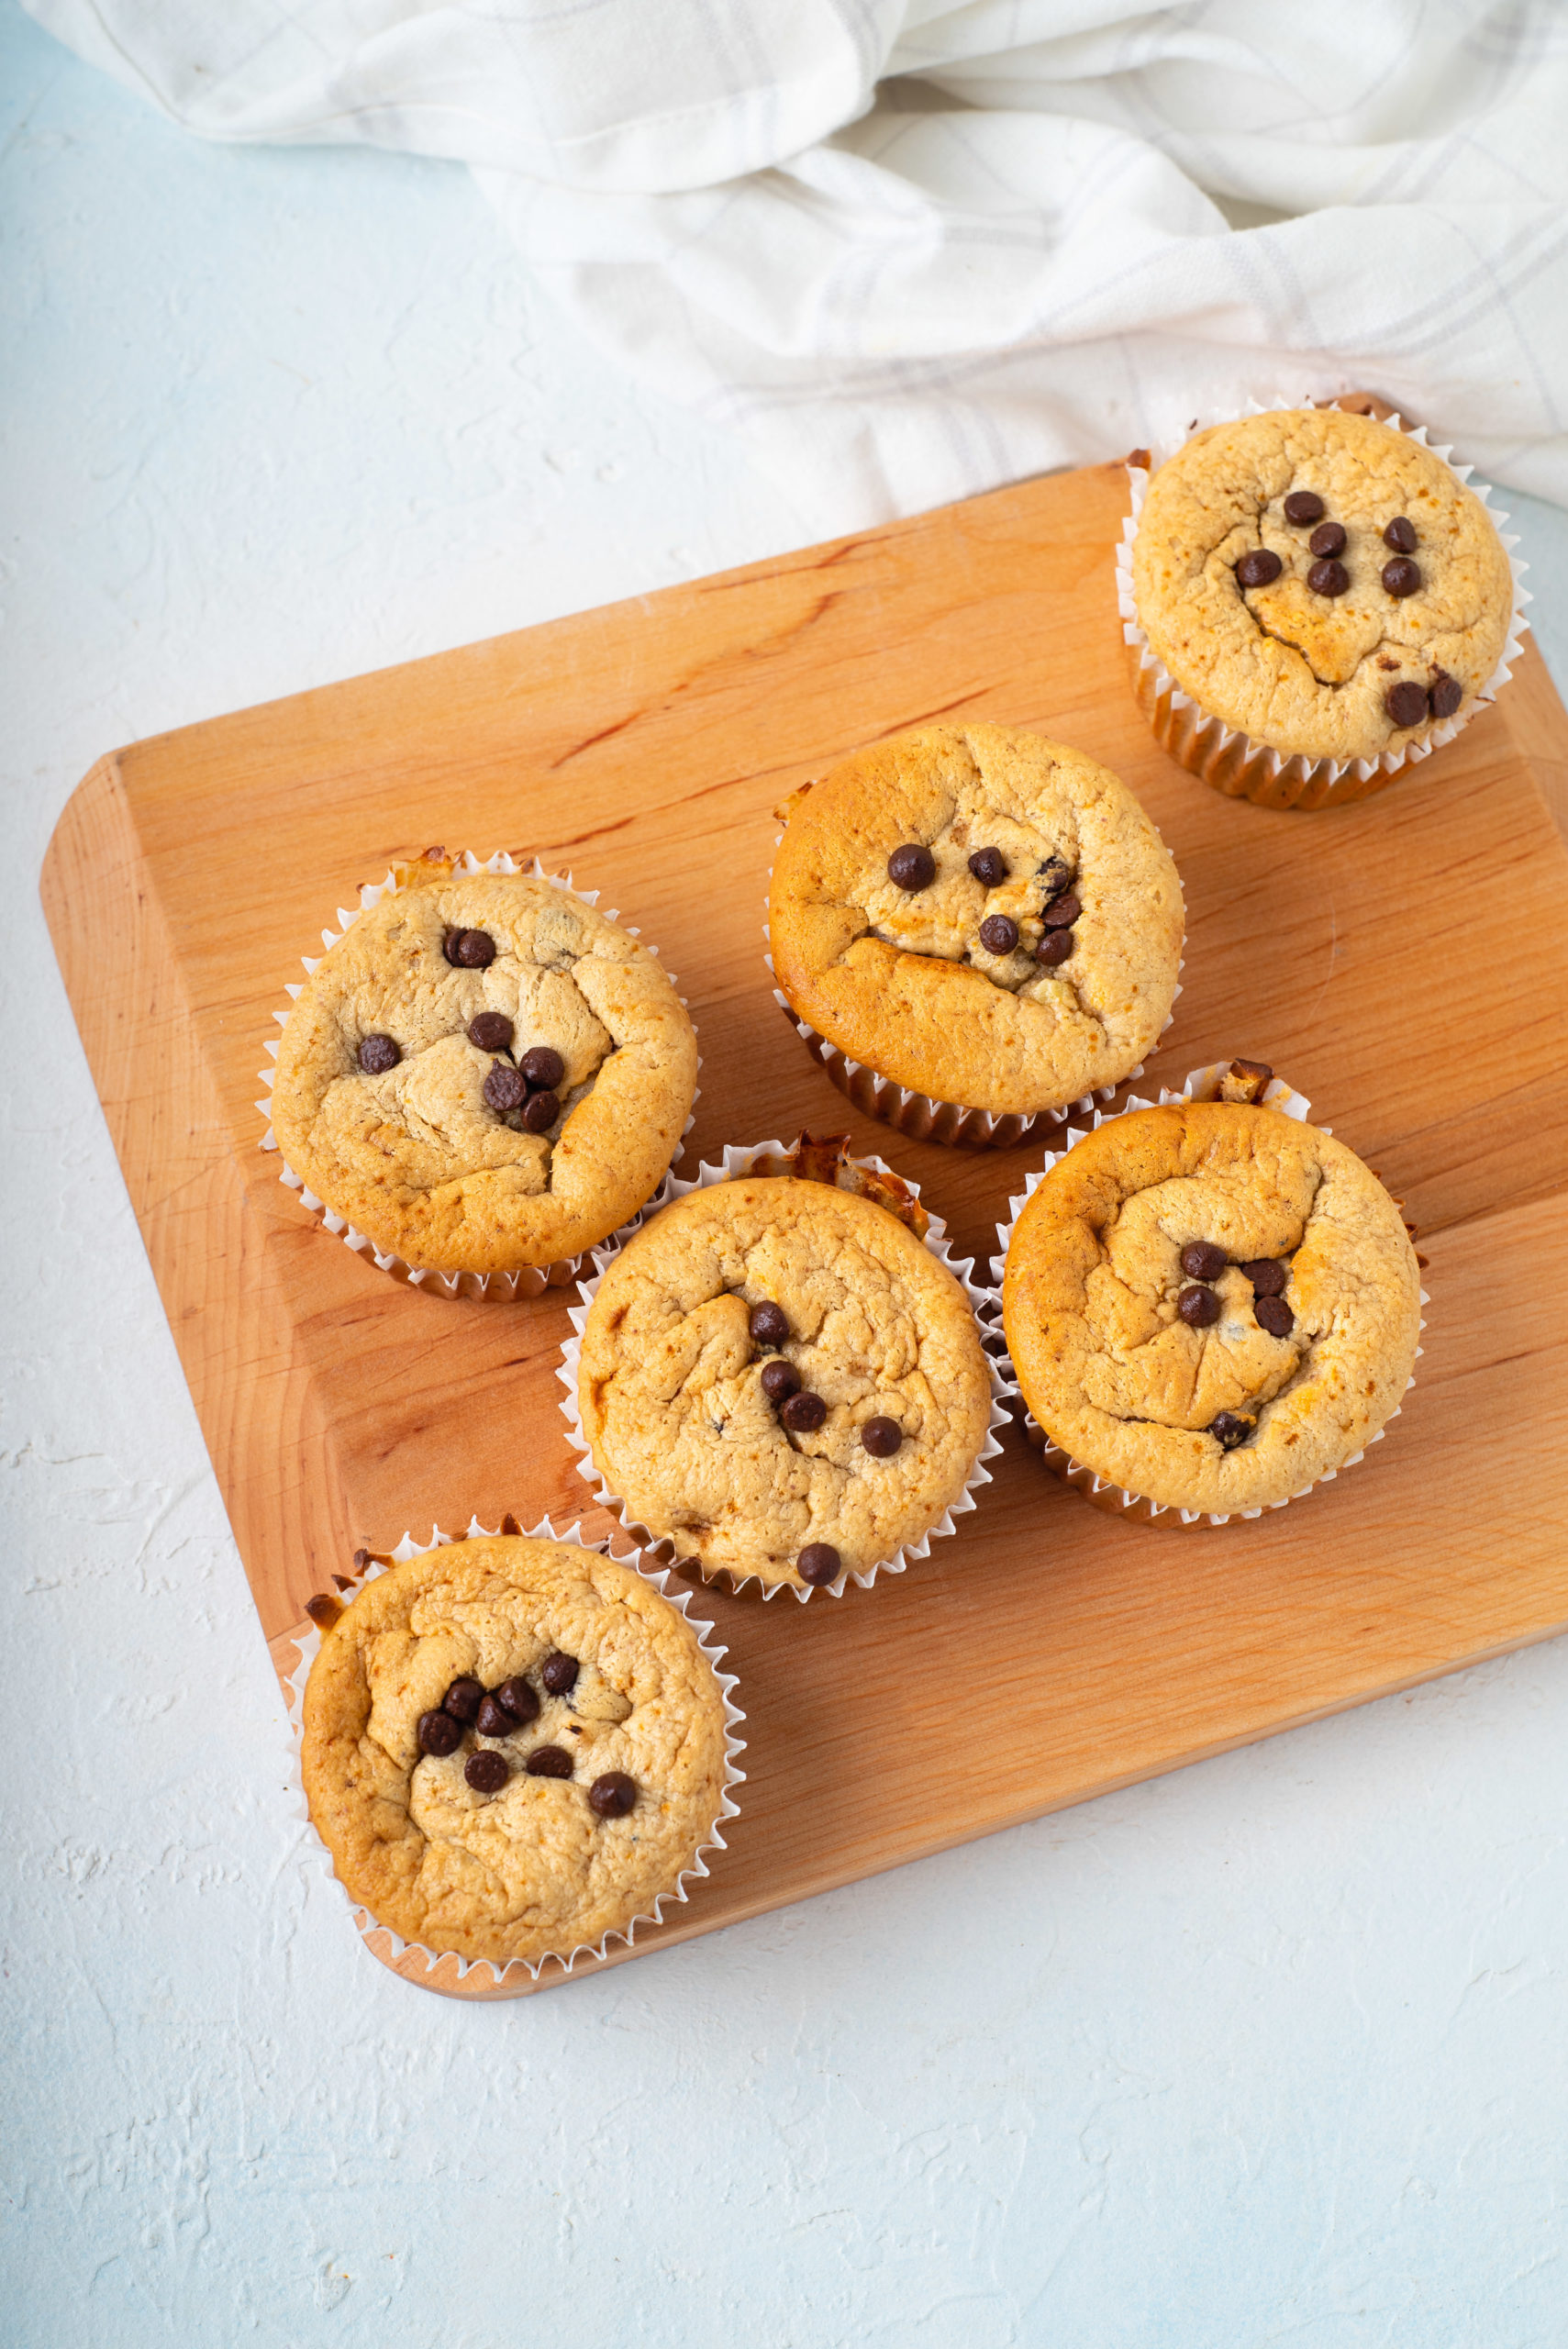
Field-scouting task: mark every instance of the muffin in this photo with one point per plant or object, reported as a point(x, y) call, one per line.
point(1211, 1305)
point(983, 919)
point(483, 1074)
point(1321, 583)
point(778, 1379)
point(513, 1747)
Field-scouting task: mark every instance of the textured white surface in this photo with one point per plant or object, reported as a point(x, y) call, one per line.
point(1268, 2051)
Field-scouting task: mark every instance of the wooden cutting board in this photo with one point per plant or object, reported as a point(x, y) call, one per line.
point(1405, 962)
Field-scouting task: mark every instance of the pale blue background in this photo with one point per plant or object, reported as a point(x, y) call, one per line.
point(1271, 2052)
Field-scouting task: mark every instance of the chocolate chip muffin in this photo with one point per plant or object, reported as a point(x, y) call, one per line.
point(483, 1074)
point(1211, 1305)
point(979, 915)
point(1322, 583)
point(512, 1747)
point(777, 1377)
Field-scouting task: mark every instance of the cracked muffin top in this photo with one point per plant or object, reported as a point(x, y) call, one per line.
point(483, 1074)
point(512, 1747)
point(1320, 582)
point(981, 915)
point(781, 1379)
point(1211, 1305)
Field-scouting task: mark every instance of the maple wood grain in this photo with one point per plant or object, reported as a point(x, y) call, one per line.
point(1405, 961)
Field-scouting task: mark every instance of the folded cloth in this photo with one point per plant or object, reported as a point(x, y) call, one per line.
point(913, 250)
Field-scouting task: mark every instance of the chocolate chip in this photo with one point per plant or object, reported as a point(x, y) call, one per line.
point(543, 1067)
point(548, 1762)
point(1400, 534)
point(517, 1700)
point(1062, 911)
point(613, 1795)
point(819, 1562)
point(998, 934)
point(1202, 1261)
point(1447, 694)
point(540, 1111)
point(1258, 567)
point(1401, 577)
point(1274, 1315)
point(769, 1324)
point(1268, 1276)
point(494, 1720)
point(469, 950)
point(1329, 538)
point(558, 1673)
point(506, 1088)
point(1304, 505)
point(1054, 948)
point(780, 1381)
point(1198, 1308)
point(882, 1438)
point(490, 1031)
point(487, 1773)
point(377, 1054)
point(464, 1699)
point(1328, 578)
point(1228, 1430)
point(912, 866)
point(438, 1733)
point(803, 1413)
point(989, 867)
point(1406, 703)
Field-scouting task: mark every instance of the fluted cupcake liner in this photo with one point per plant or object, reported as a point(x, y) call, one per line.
point(1230, 761)
point(773, 1158)
point(487, 1287)
point(392, 1946)
point(1103, 1492)
point(920, 1115)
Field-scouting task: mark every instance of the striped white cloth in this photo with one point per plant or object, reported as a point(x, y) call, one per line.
point(913, 250)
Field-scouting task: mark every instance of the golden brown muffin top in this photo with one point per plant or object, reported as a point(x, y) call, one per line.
point(1364, 668)
point(531, 1868)
point(1303, 1350)
point(414, 1152)
point(672, 1383)
point(905, 980)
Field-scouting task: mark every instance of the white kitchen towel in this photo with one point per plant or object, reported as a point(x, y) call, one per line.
point(912, 251)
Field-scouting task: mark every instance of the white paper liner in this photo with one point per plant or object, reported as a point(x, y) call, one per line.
point(920, 1115)
point(309, 1643)
point(739, 1161)
point(532, 1280)
point(1103, 1492)
point(1232, 761)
